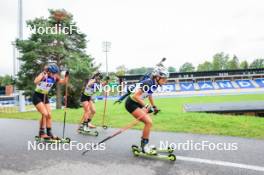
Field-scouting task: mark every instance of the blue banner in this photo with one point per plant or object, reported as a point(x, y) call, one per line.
point(185, 86)
point(206, 85)
point(225, 84)
point(244, 84)
point(260, 82)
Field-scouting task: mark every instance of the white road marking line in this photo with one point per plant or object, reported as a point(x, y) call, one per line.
point(221, 163)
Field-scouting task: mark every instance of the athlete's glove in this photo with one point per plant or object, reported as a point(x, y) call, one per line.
point(155, 109)
point(148, 108)
point(107, 78)
point(67, 73)
point(44, 73)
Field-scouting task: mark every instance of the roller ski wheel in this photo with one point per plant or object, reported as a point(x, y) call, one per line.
point(67, 140)
point(172, 157)
point(105, 127)
point(158, 155)
point(59, 140)
point(90, 133)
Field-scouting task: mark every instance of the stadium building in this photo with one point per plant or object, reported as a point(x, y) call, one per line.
point(223, 82)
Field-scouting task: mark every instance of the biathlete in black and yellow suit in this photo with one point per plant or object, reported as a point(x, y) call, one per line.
point(44, 82)
point(91, 87)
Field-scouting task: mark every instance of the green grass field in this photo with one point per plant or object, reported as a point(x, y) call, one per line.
point(172, 118)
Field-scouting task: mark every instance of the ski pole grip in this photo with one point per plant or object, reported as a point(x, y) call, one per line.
point(67, 73)
point(156, 112)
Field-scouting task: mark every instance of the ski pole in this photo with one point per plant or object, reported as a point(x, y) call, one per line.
point(130, 125)
point(105, 105)
point(44, 100)
point(65, 108)
point(105, 102)
point(160, 63)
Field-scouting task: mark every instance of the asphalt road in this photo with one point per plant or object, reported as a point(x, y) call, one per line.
point(247, 156)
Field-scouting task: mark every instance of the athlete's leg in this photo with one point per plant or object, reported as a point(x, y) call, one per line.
point(86, 114)
point(92, 109)
point(92, 113)
point(49, 121)
point(86, 109)
point(48, 118)
point(44, 114)
point(143, 116)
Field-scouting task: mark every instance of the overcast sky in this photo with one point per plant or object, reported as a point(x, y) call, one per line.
point(144, 31)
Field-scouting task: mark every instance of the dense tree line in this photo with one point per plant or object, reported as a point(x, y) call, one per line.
point(220, 61)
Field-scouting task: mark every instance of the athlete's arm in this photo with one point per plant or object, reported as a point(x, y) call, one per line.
point(106, 81)
point(151, 100)
point(91, 82)
point(62, 81)
point(39, 78)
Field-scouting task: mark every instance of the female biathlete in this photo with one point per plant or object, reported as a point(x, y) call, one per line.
point(136, 106)
point(44, 82)
point(90, 88)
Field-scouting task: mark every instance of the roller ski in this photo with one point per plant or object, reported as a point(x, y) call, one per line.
point(85, 130)
point(50, 138)
point(152, 152)
point(145, 150)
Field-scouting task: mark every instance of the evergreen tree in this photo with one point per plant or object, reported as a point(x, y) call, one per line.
point(47, 44)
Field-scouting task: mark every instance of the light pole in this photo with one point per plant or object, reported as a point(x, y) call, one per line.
point(20, 25)
point(106, 49)
point(14, 59)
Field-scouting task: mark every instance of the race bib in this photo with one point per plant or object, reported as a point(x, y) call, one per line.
point(44, 86)
point(88, 91)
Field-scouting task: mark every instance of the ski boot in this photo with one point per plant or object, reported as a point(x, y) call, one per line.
point(146, 148)
point(85, 130)
point(57, 139)
point(42, 137)
point(150, 151)
point(50, 138)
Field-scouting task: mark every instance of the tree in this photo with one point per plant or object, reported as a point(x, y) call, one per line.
point(121, 70)
point(67, 50)
point(233, 63)
point(171, 69)
point(244, 65)
point(6, 80)
point(79, 73)
point(187, 67)
point(206, 66)
point(220, 61)
point(257, 63)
